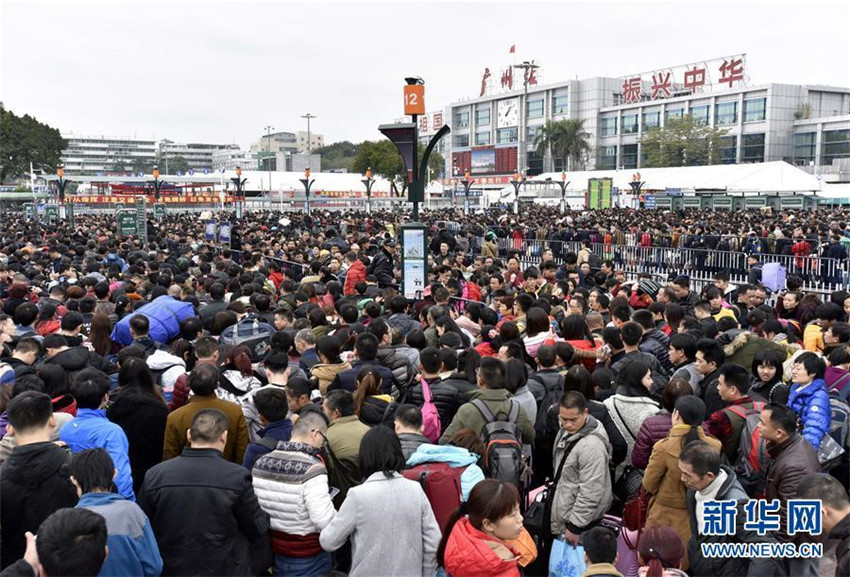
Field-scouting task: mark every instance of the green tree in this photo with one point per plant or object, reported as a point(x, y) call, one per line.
point(119, 165)
point(383, 158)
point(174, 164)
point(338, 155)
point(682, 142)
point(24, 140)
point(142, 165)
point(565, 139)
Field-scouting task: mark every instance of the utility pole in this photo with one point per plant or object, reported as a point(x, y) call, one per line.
point(308, 116)
point(528, 68)
point(268, 130)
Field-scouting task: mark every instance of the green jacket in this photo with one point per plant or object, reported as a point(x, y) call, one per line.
point(344, 437)
point(498, 401)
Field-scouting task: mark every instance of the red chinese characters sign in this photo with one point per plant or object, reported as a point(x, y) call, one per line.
point(688, 79)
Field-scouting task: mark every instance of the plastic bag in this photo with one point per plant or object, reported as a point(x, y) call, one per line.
point(566, 560)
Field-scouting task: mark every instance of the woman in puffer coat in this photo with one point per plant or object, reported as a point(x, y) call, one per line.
point(330, 364)
point(658, 425)
point(662, 478)
point(477, 536)
point(809, 398)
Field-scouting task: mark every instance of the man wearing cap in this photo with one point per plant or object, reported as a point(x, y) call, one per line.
point(382, 264)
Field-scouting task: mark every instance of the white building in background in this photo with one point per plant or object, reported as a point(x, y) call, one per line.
point(493, 134)
point(199, 156)
point(100, 155)
point(287, 151)
point(230, 159)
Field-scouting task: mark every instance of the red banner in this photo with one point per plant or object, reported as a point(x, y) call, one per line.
point(170, 199)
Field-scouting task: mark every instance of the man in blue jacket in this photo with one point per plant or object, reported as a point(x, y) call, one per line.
point(133, 551)
point(91, 429)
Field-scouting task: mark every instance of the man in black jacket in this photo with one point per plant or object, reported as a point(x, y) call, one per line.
point(35, 481)
point(382, 265)
point(203, 509)
point(709, 359)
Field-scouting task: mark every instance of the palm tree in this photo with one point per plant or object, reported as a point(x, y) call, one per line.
point(565, 139)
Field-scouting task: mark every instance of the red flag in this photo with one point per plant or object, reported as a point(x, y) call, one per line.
point(513, 49)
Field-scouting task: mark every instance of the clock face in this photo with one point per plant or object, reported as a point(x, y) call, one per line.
point(508, 113)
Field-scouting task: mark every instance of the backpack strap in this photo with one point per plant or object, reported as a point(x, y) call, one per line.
point(514, 413)
point(268, 443)
point(484, 410)
point(426, 389)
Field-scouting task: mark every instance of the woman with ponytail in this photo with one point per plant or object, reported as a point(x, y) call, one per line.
point(482, 538)
point(661, 553)
point(238, 379)
point(668, 506)
point(371, 406)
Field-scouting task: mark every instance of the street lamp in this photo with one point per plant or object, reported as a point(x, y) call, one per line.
point(60, 172)
point(307, 184)
point(467, 183)
point(268, 130)
point(517, 182)
point(563, 183)
point(528, 69)
point(308, 116)
point(636, 185)
point(157, 183)
point(368, 182)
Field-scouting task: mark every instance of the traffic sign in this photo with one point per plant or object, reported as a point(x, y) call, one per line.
point(159, 210)
point(127, 223)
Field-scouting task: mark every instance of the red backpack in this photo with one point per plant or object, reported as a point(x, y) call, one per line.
point(441, 484)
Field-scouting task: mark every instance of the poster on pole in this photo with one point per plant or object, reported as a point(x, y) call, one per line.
point(414, 260)
point(209, 230)
point(159, 210)
point(29, 211)
point(142, 219)
point(224, 233)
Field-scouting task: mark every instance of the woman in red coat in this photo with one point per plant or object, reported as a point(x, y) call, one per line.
point(476, 539)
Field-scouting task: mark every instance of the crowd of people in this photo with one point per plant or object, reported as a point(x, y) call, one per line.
point(292, 413)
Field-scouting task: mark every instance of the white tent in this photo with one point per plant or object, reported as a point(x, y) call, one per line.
point(733, 178)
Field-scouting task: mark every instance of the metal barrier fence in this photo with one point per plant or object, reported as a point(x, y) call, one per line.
point(819, 274)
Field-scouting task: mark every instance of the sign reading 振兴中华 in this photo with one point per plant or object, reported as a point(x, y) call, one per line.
point(686, 79)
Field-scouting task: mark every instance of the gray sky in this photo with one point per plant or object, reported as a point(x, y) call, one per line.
point(220, 72)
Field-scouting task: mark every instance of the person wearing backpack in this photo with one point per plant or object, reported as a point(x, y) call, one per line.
point(496, 398)
point(583, 491)
point(445, 396)
point(272, 406)
point(727, 424)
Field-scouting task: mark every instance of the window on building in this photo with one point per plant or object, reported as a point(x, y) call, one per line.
point(629, 156)
point(461, 118)
point(752, 148)
point(629, 123)
point(535, 108)
point(700, 114)
point(673, 113)
point(482, 138)
point(805, 148)
point(729, 150)
point(836, 144)
point(533, 132)
point(607, 157)
point(755, 109)
point(482, 115)
point(559, 104)
point(651, 119)
point(725, 113)
point(461, 140)
point(535, 163)
point(608, 126)
point(506, 135)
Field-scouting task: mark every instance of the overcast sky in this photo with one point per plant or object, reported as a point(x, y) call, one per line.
point(220, 72)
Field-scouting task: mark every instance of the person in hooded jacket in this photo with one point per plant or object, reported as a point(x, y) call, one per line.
point(74, 359)
point(809, 398)
point(477, 536)
point(35, 479)
point(653, 341)
point(140, 410)
point(583, 490)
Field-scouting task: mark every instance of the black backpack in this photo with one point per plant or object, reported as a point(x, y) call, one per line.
point(551, 396)
point(503, 458)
